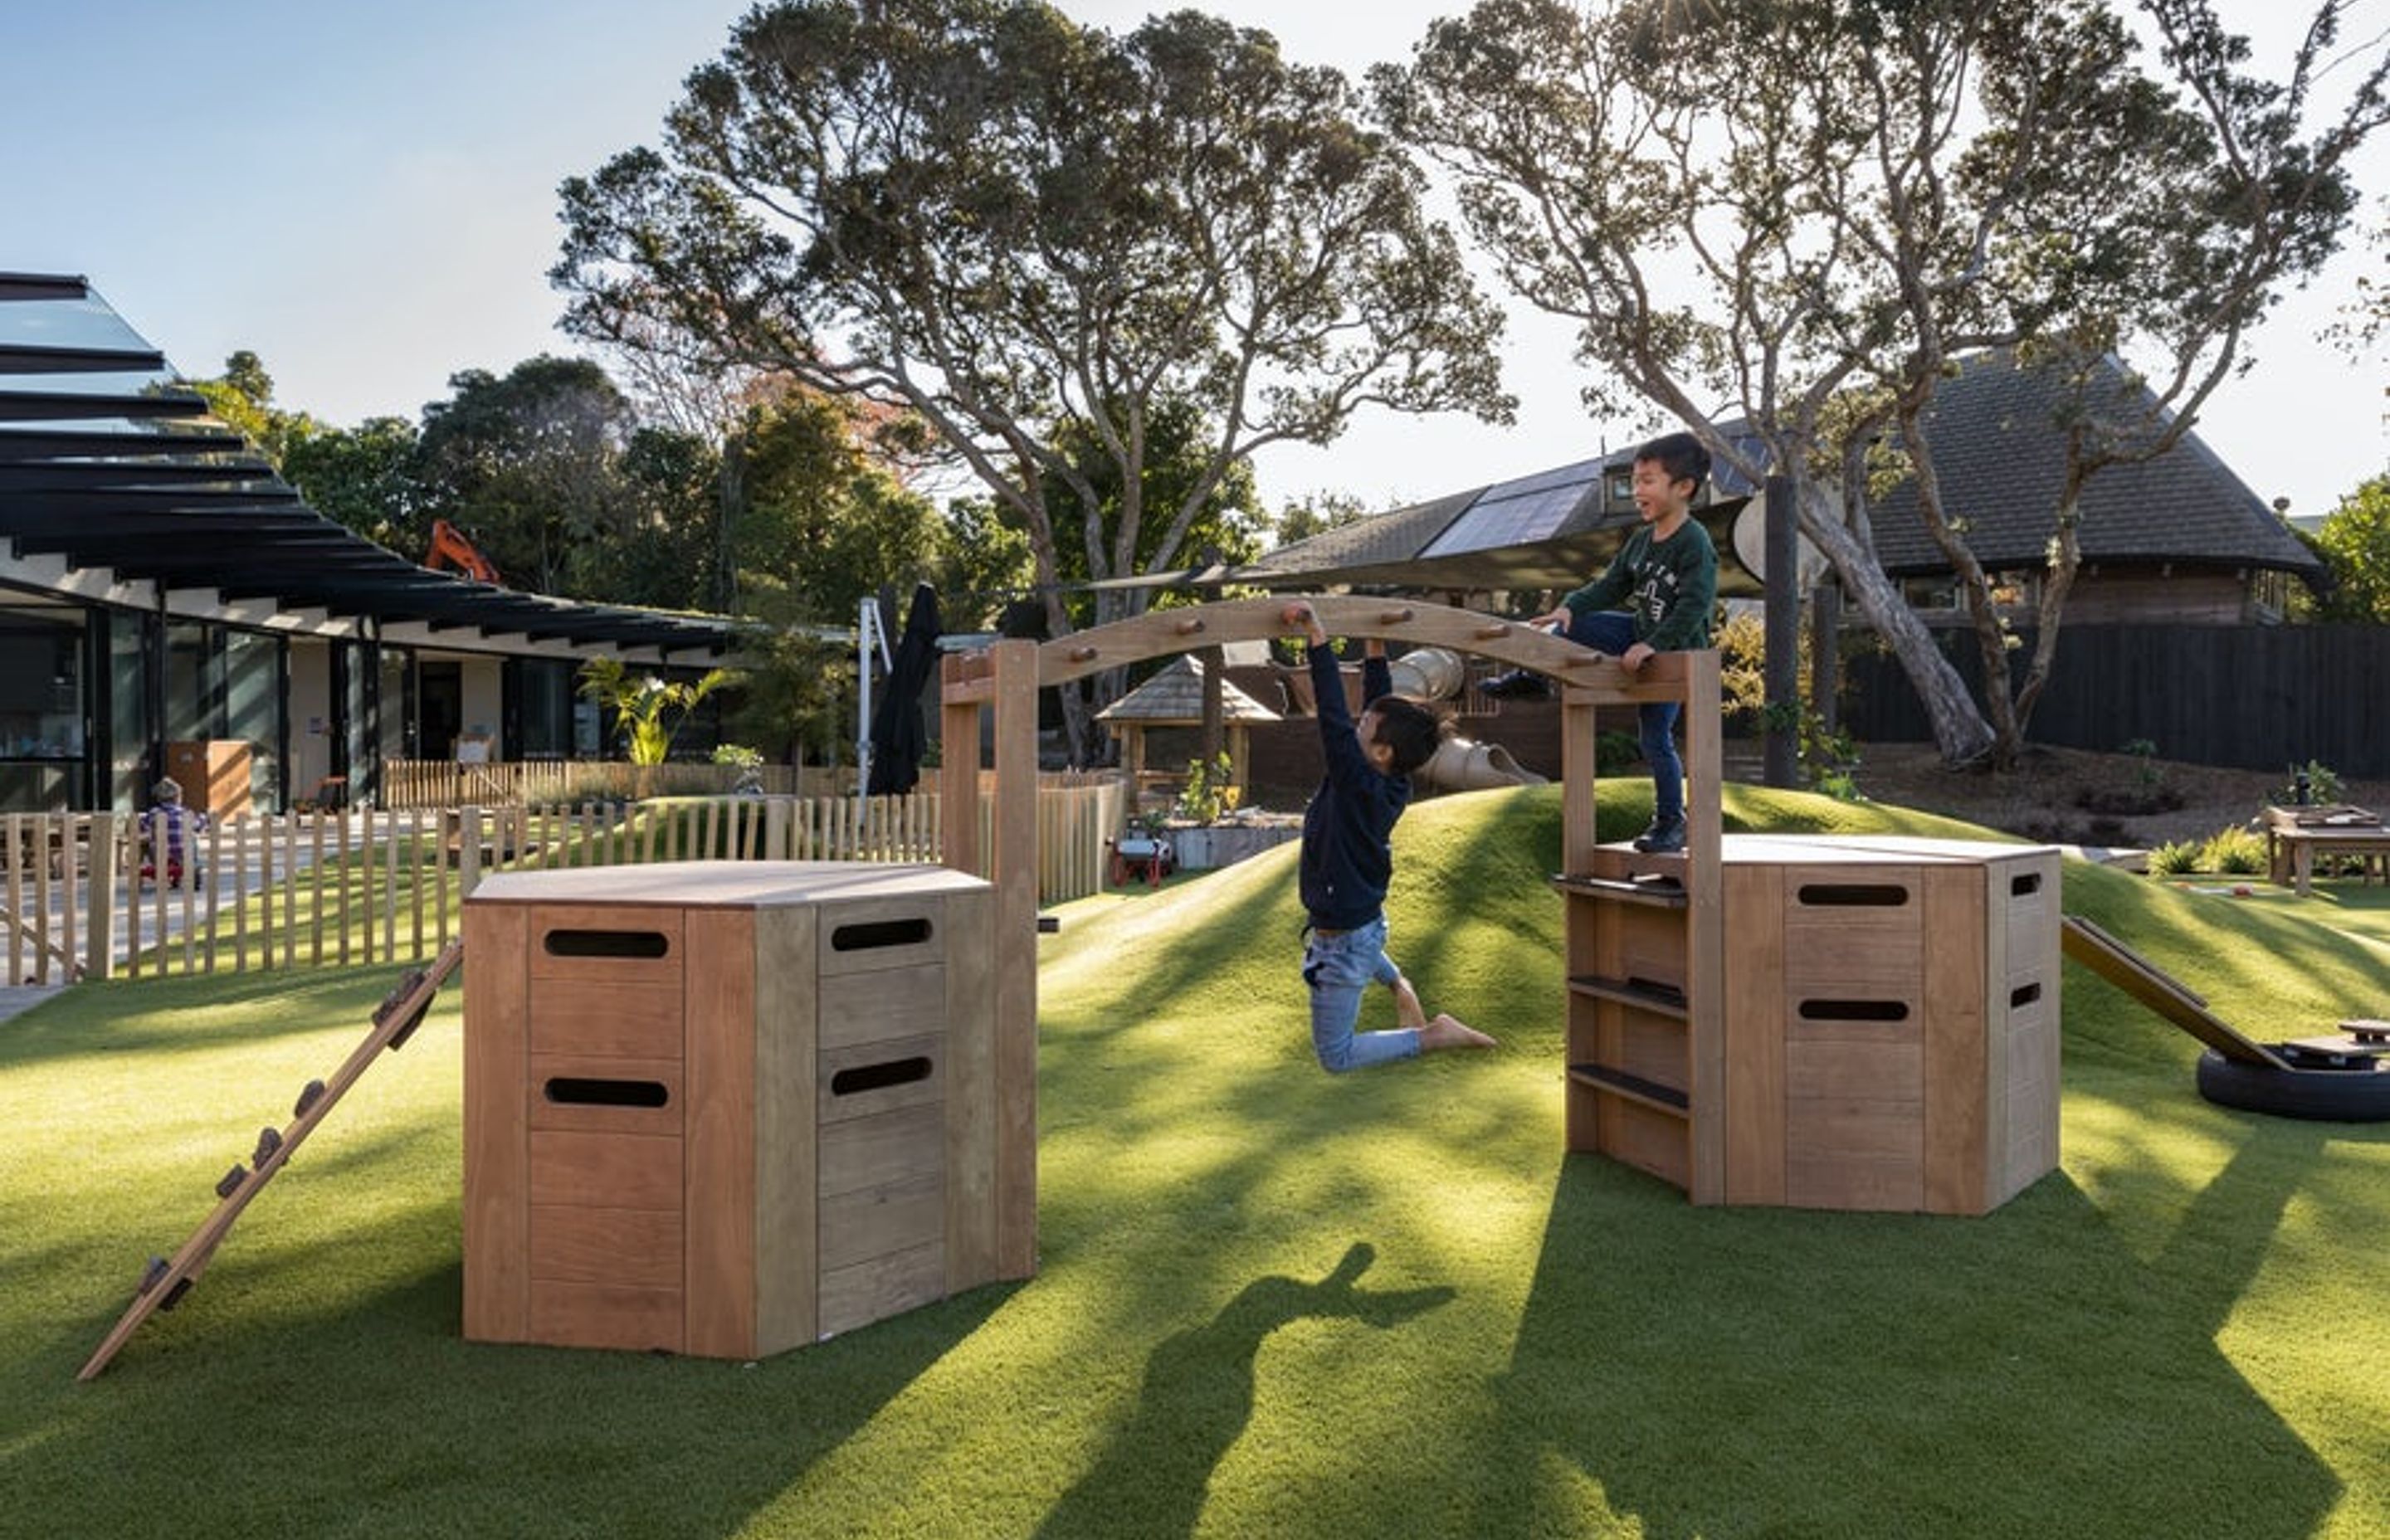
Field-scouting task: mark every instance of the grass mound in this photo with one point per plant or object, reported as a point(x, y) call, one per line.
point(1270, 1302)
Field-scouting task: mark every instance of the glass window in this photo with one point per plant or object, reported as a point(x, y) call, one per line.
point(396, 706)
point(41, 707)
point(547, 709)
point(253, 708)
point(128, 710)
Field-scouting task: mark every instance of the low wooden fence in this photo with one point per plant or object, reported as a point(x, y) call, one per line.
point(367, 885)
point(421, 783)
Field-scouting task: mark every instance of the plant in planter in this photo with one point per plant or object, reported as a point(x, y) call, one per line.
point(1208, 793)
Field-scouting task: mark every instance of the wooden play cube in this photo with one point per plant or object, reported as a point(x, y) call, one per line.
point(724, 1108)
point(1892, 1022)
point(1888, 1027)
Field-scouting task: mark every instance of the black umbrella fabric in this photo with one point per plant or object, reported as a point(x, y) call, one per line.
point(897, 742)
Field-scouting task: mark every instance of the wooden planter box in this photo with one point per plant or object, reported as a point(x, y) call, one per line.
point(723, 1108)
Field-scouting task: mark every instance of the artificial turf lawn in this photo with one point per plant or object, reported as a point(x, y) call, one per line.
point(1271, 1302)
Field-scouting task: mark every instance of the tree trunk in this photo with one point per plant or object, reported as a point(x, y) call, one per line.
point(1960, 730)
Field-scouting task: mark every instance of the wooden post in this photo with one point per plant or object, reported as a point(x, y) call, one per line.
point(101, 962)
point(958, 723)
point(1704, 928)
point(1014, 871)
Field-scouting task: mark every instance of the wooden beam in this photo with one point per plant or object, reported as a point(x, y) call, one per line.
point(1159, 633)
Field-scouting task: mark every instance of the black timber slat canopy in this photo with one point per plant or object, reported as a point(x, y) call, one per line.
point(131, 475)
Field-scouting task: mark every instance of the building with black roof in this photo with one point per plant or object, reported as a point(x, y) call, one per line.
point(161, 584)
point(2178, 539)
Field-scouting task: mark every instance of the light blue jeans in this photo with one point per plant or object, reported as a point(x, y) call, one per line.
point(1613, 631)
point(1338, 968)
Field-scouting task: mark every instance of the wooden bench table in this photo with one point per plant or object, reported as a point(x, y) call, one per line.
point(2295, 835)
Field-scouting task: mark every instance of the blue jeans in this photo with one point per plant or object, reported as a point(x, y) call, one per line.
point(1338, 968)
point(1614, 632)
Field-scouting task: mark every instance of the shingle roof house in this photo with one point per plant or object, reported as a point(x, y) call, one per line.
point(2177, 538)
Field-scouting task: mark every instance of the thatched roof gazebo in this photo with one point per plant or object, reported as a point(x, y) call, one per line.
point(1174, 698)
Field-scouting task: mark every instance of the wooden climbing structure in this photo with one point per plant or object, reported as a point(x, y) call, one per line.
point(1004, 680)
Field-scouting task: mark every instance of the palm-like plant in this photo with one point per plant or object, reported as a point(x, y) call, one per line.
point(649, 709)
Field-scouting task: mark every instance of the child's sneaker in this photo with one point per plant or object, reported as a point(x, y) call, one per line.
point(1665, 836)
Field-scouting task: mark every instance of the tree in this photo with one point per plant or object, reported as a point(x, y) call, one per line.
point(1810, 207)
point(1316, 513)
point(364, 477)
point(242, 399)
point(2354, 543)
point(1006, 223)
point(529, 464)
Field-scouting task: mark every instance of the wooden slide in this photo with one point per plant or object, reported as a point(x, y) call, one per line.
point(2137, 977)
point(166, 1280)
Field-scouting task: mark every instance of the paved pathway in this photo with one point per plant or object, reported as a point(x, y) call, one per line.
point(15, 998)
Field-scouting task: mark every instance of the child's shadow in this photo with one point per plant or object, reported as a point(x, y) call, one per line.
point(1197, 1396)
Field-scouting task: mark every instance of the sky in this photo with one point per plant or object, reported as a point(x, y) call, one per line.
point(365, 196)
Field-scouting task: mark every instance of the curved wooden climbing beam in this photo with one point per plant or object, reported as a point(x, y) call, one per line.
point(1158, 633)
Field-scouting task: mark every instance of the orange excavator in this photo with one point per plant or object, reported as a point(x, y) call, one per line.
point(450, 548)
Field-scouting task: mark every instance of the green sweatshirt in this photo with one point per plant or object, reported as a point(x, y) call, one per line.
point(1669, 586)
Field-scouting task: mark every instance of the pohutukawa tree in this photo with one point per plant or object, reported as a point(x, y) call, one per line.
point(1808, 209)
point(1024, 231)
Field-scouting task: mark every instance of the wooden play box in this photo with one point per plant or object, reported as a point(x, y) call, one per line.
point(1885, 1033)
point(723, 1108)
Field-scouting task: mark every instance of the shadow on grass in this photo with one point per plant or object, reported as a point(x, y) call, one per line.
point(101, 1018)
point(1846, 1374)
point(1198, 1395)
point(370, 1415)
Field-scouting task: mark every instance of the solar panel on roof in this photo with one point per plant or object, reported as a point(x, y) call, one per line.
point(1520, 512)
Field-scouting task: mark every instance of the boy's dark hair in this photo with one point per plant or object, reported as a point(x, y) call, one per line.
point(1680, 454)
point(1410, 729)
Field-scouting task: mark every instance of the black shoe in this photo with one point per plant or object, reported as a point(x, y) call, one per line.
point(1518, 685)
point(1665, 836)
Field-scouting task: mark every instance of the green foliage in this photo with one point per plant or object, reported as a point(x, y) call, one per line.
point(1614, 752)
point(2175, 858)
point(242, 399)
point(2234, 853)
point(364, 477)
point(648, 710)
point(530, 463)
point(2323, 785)
point(2355, 544)
point(1061, 248)
point(1829, 760)
point(1864, 184)
point(1208, 791)
point(1316, 513)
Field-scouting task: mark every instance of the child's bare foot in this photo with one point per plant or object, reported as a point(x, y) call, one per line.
point(1445, 1031)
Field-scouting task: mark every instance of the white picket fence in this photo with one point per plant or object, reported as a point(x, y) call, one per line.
point(368, 886)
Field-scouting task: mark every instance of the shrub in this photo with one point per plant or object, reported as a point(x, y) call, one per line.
point(2324, 784)
point(1614, 752)
point(2234, 852)
point(2174, 858)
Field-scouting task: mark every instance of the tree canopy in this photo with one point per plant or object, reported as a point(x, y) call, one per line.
point(1790, 219)
point(1033, 234)
point(2355, 544)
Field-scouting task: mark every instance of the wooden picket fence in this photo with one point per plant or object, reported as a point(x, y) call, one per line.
point(432, 784)
point(367, 885)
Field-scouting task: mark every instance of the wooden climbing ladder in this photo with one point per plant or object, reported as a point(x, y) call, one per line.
point(167, 1279)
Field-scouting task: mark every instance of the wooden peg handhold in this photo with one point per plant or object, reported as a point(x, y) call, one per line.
point(1396, 617)
point(1082, 655)
point(1189, 626)
point(1488, 633)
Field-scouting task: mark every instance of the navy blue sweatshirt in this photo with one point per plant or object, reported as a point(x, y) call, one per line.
point(1346, 860)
